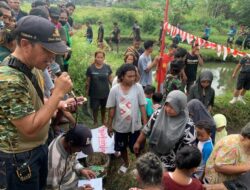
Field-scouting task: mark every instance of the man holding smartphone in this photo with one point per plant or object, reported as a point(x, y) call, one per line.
point(24, 116)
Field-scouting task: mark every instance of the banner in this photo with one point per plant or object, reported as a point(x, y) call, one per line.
point(220, 49)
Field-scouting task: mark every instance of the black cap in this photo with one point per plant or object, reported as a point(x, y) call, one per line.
point(80, 136)
point(41, 30)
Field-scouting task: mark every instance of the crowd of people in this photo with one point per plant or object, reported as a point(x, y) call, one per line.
point(188, 148)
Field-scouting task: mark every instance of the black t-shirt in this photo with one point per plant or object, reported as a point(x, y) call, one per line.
point(70, 21)
point(245, 65)
point(137, 32)
point(89, 33)
point(191, 65)
point(115, 33)
point(99, 81)
point(20, 15)
point(100, 34)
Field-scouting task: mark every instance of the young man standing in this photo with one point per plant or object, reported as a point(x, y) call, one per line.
point(100, 35)
point(15, 5)
point(70, 7)
point(124, 102)
point(136, 32)
point(145, 64)
point(243, 81)
point(6, 13)
point(115, 36)
point(193, 59)
point(136, 50)
point(207, 32)
point(231, 34)
point(89, 33)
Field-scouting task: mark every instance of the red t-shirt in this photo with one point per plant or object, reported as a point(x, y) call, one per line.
point(170, 184)
point(166, 59)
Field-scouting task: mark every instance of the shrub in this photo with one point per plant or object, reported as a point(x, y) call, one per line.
point(92, 19)
point(237, 114)
point(150, 22)
point(81, 58)
point(128, 18)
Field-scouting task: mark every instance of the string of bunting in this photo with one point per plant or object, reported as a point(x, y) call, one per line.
point(190, 38)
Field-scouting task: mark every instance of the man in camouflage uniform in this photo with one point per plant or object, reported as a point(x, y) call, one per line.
point(172, 81)
point(24, 118)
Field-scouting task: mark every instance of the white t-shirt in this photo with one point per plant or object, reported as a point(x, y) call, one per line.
point(127, 107)
point(115, 81)
point(146, 77)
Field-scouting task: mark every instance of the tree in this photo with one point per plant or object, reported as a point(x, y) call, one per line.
point(218, 8)
point(241, 12)
point(179, 8)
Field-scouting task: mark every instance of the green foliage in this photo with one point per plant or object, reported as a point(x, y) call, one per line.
point(123, 16)
point(241, 11)
point(237, 114)
point(150, 23)
point(92, 19)
point(81, 58)
point(179, 9)
point(26, 7)
point(219, 7)
point(113, 180)
point(132, 4)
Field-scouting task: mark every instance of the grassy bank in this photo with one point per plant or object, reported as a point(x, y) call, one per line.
point(149, 20)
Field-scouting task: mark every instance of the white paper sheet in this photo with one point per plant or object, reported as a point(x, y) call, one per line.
point(81, 155)
point(95, 183)
point(101, 142)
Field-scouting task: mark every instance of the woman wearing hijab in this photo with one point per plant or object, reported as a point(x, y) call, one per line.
point(198, 112)
point(221, 124)
point(203, 91)
point(169, 129)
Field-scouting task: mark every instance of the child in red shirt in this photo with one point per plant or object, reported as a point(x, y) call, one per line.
point(187, 160)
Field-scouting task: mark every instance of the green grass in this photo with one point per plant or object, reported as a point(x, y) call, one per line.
point(193, 22)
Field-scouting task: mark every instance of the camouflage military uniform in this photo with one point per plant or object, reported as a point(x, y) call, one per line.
point(171, 83)
point(17, 100)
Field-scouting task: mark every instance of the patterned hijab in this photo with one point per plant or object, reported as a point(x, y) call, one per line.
point(198, 112)
point(168, 130)
point(220, 121)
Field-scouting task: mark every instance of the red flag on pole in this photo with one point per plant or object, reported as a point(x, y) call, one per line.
point(159, 76)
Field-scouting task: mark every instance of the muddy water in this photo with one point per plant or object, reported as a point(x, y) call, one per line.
point(222, 72)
